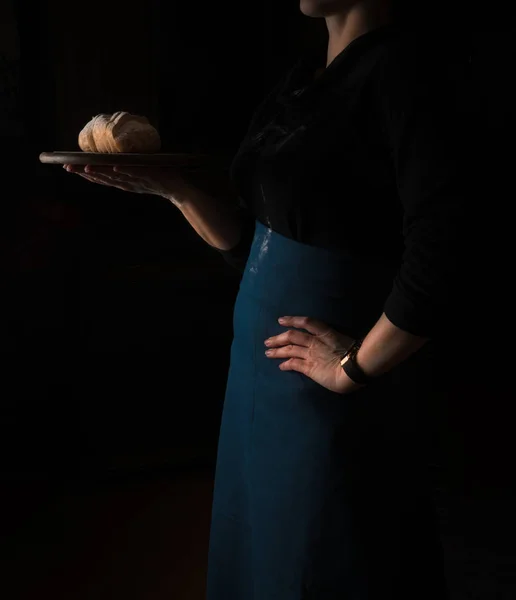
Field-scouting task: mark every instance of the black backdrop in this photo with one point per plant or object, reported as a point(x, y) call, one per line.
point(116, 319)
point(116, 322)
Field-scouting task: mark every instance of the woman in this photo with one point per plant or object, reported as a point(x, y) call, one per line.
point(351, 200)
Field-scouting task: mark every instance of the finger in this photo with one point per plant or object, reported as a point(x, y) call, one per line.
point(94, 170)
point(74, 168)
point(296, 364)
point(289, 351)
point(290, 337)
point(313, 326)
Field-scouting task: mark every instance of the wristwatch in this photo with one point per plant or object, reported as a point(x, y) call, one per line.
point(350, 366)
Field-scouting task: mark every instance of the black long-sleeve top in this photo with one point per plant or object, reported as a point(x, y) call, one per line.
point(369, 158)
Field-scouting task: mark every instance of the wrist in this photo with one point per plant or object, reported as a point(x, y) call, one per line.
point(354, 375)
point(347, 385)
point(367, 368)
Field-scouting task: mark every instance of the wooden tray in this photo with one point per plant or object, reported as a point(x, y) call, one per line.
point(126, 159)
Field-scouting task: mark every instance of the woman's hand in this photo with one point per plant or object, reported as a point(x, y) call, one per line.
point(157, 181)
point(316, 354)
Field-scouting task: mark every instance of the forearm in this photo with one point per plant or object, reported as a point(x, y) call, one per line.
point(384, 347)
point(217, 222)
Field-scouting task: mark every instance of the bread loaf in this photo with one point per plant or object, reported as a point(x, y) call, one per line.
point(119, 132)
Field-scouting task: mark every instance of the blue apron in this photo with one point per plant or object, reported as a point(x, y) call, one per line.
point(318, 496)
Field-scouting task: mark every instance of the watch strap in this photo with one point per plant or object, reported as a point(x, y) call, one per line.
point(350, 365)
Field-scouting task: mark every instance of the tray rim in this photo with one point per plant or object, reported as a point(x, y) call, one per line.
point(62, 157)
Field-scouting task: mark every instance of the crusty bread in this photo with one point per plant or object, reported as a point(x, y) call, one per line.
point(119, 132)
point(86, 142)
point(131, 133)
point(99, 133)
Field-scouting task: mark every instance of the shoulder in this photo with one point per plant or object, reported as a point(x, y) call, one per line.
point(422, 54)
point(417, 66)
point(405, 58)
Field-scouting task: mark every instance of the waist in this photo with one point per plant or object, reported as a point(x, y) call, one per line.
point(343, 290)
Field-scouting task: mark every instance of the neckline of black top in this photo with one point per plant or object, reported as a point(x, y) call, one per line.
point(301, 82)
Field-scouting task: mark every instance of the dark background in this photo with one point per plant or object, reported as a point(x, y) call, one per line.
point(116, 319)
point(103, 279)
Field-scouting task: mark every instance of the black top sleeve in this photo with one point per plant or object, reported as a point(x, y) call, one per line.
point(426, 134)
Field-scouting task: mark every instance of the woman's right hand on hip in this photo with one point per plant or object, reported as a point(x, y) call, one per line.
point(157, 181)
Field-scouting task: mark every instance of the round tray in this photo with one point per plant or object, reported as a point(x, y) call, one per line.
point(127, 159)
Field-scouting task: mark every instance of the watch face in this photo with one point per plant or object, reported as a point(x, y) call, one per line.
point(350, 353)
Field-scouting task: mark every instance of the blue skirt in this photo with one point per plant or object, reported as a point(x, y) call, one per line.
point(318, 496)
